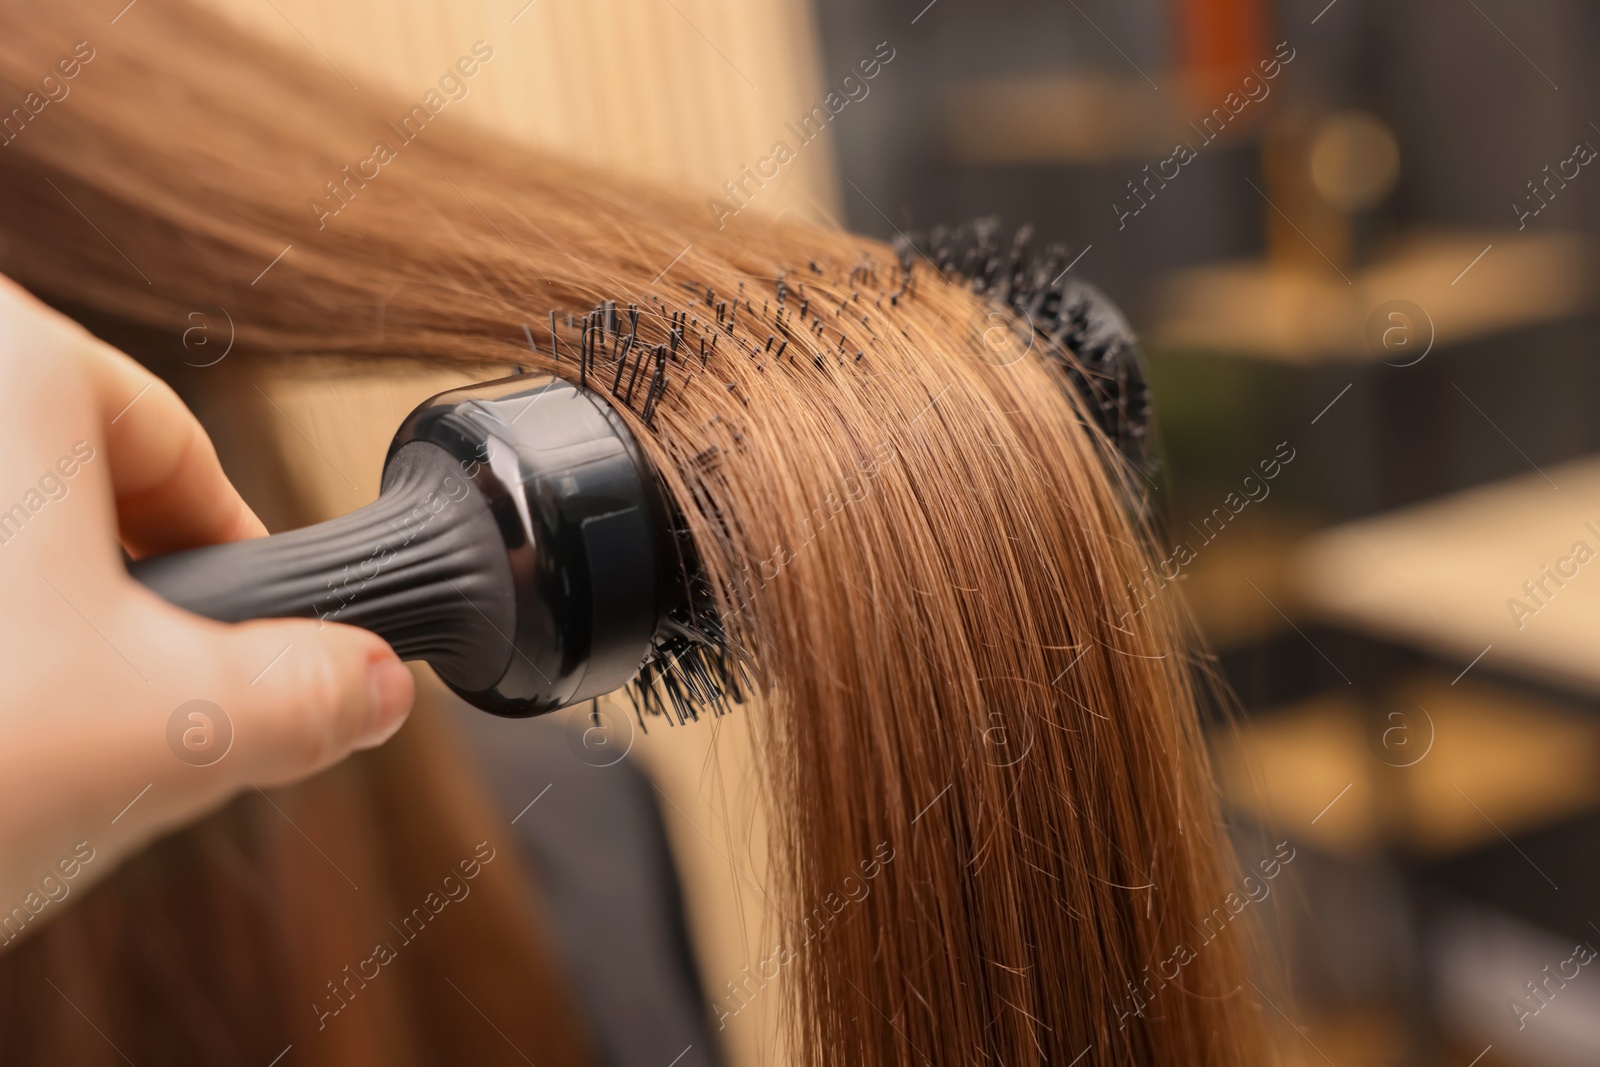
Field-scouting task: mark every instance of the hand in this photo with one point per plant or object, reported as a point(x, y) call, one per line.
point(96, 757)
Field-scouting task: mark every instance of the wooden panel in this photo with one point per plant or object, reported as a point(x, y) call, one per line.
point(679, 92)
point(1314, 315)
point(1433, 768)
point(1446, 576)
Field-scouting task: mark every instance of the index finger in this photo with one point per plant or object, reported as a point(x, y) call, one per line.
point(171, 492)
point(168, 485)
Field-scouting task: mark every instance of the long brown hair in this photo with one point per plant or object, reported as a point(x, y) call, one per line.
point(992, 817)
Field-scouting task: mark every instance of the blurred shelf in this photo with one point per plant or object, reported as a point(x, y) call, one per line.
point(1429, 768)
point(1354, 1039)
point(1074, 119)
point(1369, 1038)
point(1217, 585)
point(1316, 315)
point(1442, 576)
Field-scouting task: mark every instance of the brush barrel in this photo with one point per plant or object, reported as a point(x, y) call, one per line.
point(520, 546)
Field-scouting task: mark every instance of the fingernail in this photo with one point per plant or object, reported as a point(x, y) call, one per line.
point(389, 694)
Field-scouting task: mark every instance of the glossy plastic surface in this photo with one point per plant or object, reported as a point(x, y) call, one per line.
point(583, 529)
point(520, 546)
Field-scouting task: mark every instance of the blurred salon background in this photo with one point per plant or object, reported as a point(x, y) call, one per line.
point(1356, 238)
point(1358, 234)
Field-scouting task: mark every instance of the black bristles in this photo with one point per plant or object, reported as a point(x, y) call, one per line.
point(586, 351)
point(633, 379)
point(658, 389)
point(907, 252)
point(690, 672)
point(658, 386)
point(1093, 343)
point(622, 363)
point(555, 350)
point(691, 669)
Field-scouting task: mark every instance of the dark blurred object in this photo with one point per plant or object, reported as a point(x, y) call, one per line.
point(592, 834)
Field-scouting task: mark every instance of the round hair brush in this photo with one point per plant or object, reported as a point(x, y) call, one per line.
point(521, 546)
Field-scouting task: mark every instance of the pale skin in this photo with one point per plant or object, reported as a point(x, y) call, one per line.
point(95, 665)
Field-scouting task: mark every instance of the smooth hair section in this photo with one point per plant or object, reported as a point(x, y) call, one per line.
point(921, 558)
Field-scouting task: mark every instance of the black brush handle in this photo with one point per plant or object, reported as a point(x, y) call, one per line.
point(423, 566)
point(521, 546)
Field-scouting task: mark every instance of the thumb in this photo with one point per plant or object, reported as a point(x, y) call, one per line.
point(302, 695)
